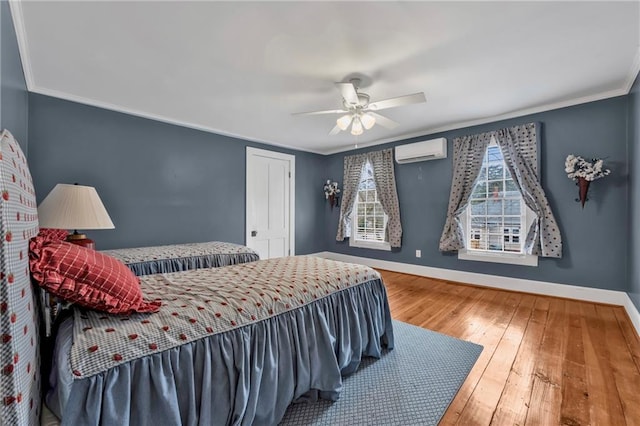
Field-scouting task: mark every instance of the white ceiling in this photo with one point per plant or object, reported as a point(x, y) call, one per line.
point(242, 68)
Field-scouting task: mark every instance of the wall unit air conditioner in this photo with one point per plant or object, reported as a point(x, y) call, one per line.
point(421, 151)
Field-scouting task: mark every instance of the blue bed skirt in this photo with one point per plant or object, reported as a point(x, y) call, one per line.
point(162, 266)
point(246, 376)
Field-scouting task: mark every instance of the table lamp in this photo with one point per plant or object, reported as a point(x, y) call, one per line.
point(74, 207)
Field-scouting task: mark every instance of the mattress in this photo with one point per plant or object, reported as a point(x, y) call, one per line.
point(182, 257)
point(232, 345)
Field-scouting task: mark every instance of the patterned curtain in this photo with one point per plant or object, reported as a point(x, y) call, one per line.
point(353, 165)
point(468, 153)
point(385, 179)
point(519, 149)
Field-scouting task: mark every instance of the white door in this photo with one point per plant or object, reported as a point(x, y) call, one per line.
point(270, 203)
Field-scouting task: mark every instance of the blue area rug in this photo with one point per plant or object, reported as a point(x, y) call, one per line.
point(412, 384)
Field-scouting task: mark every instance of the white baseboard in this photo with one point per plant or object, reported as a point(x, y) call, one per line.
point(633, 313)
point(612, 297)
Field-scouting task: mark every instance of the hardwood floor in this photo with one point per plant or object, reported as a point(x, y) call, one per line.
point(546, 360)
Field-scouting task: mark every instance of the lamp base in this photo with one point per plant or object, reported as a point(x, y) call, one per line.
point(81, 240)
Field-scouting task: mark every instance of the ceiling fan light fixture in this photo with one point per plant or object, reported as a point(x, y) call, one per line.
point(356, 127)
point(368, 121)
point(344, 122)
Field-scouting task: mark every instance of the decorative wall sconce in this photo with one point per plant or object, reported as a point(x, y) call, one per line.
point(583, 172)
point(331, 192)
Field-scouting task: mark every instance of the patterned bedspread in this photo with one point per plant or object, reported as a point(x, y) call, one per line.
point(202, 302)
point(179, 257)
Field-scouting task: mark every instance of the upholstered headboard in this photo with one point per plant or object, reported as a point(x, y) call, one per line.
point(19, 315)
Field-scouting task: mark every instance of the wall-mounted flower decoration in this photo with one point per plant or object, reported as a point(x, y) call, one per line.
point(331, 192)
point(584, 172)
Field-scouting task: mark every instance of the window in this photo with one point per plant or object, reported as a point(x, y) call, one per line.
point(368, 219)
point(496, 217)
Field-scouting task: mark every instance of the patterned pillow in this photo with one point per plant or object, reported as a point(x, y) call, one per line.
point(51, 306)
point(86, 277)
point(50, 234)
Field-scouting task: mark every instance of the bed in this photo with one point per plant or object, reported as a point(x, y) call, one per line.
point(182, 257)
point(229, 345)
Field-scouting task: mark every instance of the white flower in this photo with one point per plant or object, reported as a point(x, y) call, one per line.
point(330, 188)
point(577, 167)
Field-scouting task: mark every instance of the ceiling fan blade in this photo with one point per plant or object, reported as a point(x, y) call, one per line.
point(349, 93)
point(334, 131)
point(415, 98)
point(384, 121)
point(328, 111)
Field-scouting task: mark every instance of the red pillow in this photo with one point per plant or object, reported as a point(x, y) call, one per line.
point(51, 234)
point(86, 277)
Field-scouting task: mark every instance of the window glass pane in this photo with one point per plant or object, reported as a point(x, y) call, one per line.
point(494, 207)
point(483, 244)
point(513, 244)
point(368, 171)
point(494, 224)
point(479, 207)
point(512, 190)
point(368, 209)
point(493, 154)
point(495, 242)
point(483, 173)
point(512, 222)
point(474, 244)
point(496, 189)
point(478, 222)
point(495, 171)
point(512, 207)
point(362, 196)
point(480, 190)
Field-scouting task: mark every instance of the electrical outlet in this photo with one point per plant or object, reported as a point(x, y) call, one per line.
point(418, 253)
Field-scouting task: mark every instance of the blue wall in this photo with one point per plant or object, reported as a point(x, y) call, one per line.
point(595, 239)
point(634, 193)
point(160, 183)
point(13, 89)
point(167, 184)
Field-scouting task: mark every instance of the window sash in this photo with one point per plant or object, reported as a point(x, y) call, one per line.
point(368, 220)
point(488, 225)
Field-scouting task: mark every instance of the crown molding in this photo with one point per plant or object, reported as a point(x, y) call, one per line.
point(17, 16)
point(633, 72)
point(462, 124)
point(160, 118)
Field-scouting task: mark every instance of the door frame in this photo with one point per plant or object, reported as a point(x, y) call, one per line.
point(292, 192)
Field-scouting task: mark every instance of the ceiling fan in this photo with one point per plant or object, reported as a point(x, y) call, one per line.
point(359, 113)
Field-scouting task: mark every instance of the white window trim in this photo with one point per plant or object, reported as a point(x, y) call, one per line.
point(499, 257)
point(376, 245)
point(511, 259)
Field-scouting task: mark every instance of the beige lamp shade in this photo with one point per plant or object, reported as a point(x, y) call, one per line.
point(73, 207)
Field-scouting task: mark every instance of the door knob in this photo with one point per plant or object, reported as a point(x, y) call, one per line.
point(254, 233)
